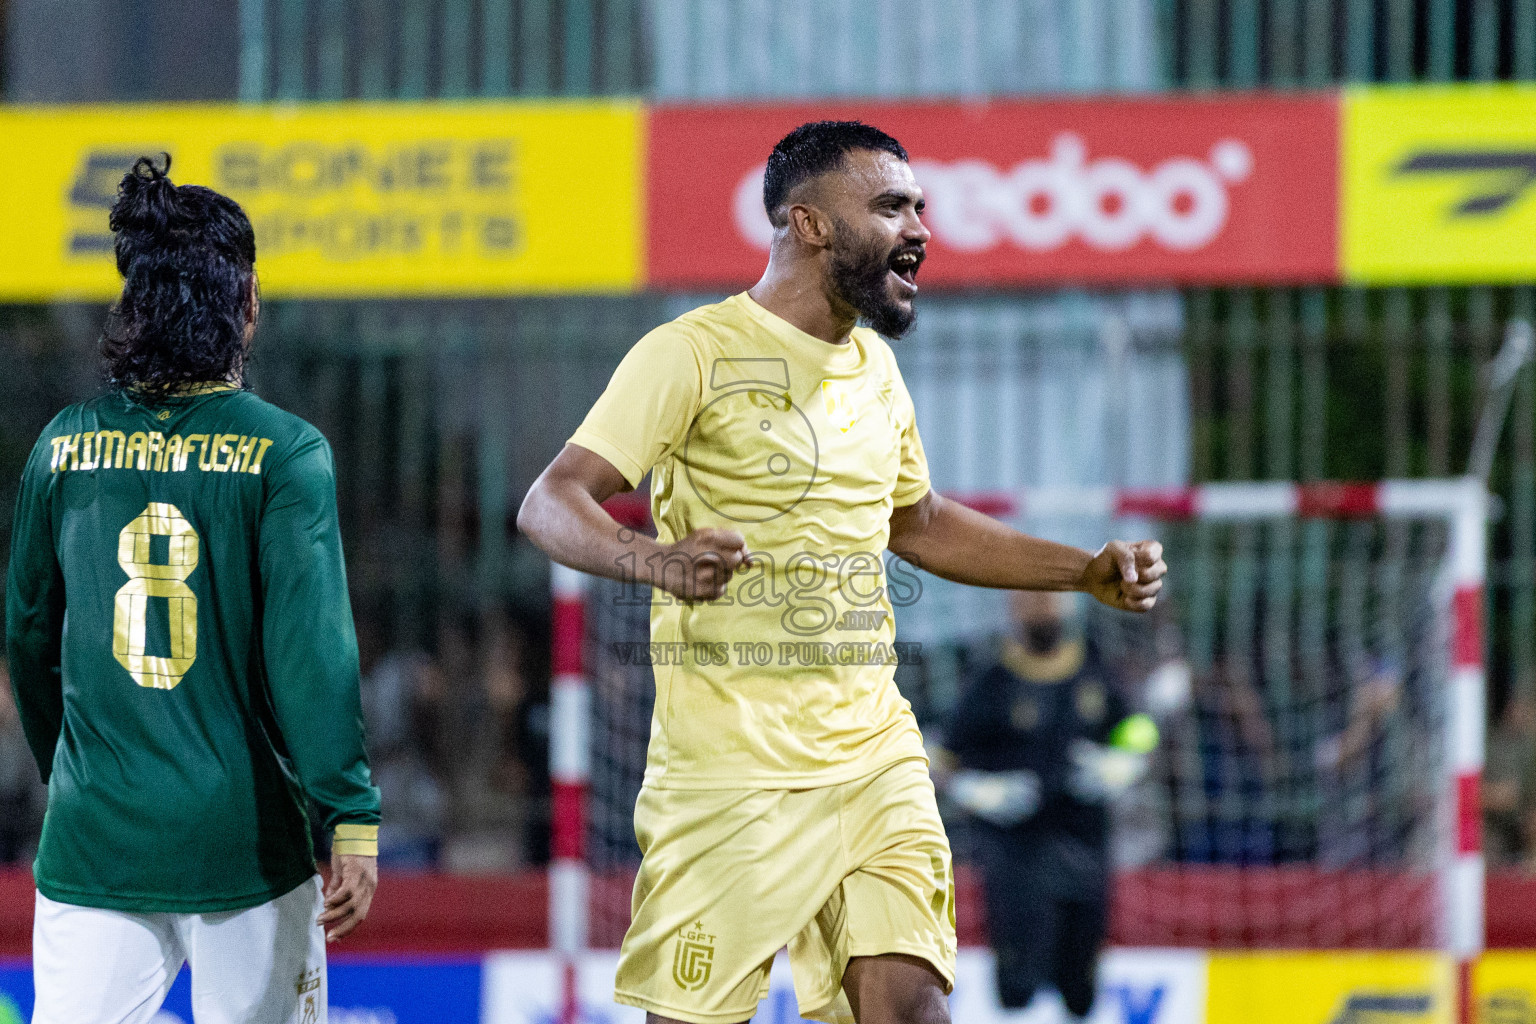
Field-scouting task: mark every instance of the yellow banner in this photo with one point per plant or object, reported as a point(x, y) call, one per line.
point(1439, 185)
point(1504, 988)
point(346, 199)
point(1329, 988)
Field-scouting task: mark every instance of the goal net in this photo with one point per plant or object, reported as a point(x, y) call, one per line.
point(1314, 667)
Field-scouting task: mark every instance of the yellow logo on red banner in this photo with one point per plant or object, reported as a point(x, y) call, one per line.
point(1439, 185)
point(346, 199)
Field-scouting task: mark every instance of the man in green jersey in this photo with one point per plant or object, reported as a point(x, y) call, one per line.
point(183, 656)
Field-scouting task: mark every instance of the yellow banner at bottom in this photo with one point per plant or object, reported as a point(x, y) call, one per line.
point(1330, 988)
point(1504, 988)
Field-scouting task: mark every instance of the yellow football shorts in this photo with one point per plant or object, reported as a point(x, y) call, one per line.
point(729, 877)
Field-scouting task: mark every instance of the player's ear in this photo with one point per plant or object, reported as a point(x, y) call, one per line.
point(810, 226)
point(252, 306)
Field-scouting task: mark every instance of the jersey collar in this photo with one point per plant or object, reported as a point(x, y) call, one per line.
point(793, 336)
point(204, 388)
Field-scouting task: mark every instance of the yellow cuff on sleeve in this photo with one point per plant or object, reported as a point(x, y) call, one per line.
point(356, 840)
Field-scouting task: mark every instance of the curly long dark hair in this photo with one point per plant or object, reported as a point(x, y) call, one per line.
point(188, 258)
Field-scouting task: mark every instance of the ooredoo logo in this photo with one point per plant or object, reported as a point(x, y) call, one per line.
point(1106, 202)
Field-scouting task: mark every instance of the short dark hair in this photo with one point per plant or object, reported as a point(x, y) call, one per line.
point(813, 149)
point(187, 255)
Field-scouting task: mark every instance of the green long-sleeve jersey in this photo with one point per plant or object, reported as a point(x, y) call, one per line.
point(182, 653)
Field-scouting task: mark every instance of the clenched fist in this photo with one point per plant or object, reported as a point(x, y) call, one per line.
point(1126, 576)
point(698, 567)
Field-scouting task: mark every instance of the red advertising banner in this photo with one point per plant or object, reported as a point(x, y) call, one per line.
point(1103, 191)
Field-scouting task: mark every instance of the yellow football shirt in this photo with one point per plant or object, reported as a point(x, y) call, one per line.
point(805, 447)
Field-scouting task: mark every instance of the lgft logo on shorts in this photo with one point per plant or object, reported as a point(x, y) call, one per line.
point(309, 989)
point(694, 959)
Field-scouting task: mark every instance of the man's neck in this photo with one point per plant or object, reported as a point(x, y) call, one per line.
point(797, 295)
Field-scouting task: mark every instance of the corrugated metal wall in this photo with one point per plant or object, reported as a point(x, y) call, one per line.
point(695, 49)
point(415, 49)
point(329, 49)
point(705, 49)
point(1239, 44)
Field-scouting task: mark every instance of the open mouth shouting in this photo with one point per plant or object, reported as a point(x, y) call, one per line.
point(904, 264)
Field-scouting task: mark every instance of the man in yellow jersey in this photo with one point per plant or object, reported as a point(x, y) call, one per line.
point(786, 796)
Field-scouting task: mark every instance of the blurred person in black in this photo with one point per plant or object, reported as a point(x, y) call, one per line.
point(403, 696)
point(22, 795)
point(1040, 742)
point(1509, 787)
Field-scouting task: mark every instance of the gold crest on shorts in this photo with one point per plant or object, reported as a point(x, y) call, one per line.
point(308, 988)
point(694, 959)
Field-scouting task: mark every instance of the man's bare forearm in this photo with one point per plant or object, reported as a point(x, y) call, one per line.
point(569, 525)
point(563, 514)
point(958, 543)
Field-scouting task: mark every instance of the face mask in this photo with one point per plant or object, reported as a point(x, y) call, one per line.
point(1042, 637)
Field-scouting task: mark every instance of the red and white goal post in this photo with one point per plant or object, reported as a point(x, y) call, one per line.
point(1316, 579)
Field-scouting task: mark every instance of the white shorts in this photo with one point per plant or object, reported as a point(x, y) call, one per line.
point(261, 965)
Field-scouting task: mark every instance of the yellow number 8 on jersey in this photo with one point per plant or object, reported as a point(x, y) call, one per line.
point(146, 580)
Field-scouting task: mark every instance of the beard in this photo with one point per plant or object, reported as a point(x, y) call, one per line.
point(858, 275)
